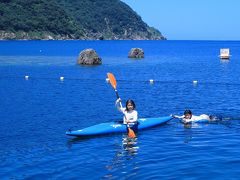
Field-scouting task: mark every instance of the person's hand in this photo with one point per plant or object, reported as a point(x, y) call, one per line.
point(173, 115)
point(119, 100)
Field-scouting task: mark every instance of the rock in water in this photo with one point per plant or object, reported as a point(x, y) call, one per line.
point(136, 53)
point(89, 57)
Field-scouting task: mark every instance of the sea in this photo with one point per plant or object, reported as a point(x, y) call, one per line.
point(44, 93)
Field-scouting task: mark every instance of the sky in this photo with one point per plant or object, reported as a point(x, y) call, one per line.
point(191, 19)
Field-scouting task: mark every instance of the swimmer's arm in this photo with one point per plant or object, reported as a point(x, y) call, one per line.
point(179, 117)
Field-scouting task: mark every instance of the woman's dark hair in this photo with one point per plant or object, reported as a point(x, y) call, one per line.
point(132, 102)
point(187, 111)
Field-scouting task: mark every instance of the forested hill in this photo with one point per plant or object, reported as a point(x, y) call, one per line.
point(72, 19)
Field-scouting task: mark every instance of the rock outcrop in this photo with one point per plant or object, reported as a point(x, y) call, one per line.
point(136, 53)
point(89, 57)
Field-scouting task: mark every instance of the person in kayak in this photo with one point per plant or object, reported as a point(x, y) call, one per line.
point(188, 117)
point(130, 114)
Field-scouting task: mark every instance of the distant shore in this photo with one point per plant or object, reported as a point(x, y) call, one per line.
point(47, 36)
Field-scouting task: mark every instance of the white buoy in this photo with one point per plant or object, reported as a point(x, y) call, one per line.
point(195, 82)
point(61, 78)
point(26, 77)
point(151, 81)
point(107, 80)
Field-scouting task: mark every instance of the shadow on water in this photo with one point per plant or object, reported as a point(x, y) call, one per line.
point(77, 139)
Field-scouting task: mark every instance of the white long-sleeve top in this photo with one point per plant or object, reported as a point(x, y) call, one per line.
point(131, 116)
point(193, 118)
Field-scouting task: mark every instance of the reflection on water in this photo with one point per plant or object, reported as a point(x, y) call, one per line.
point(130, 146)
point(124, 158)
point(224, 61)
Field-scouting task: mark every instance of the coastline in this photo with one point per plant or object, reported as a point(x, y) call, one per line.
point(96, 36)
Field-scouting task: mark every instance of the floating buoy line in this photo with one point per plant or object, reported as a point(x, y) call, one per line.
point(150, 81)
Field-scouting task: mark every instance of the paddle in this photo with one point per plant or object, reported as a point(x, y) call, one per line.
point(113, 82)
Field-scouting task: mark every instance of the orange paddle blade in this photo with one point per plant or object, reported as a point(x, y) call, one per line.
point(112, 80)
point(131, 133)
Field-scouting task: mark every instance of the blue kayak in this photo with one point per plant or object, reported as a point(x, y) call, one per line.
point(116, 127)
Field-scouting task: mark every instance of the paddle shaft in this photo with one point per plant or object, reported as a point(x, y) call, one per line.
point(113, 82)
point(116, 93)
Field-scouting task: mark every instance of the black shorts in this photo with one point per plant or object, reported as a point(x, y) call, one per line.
point(134, 127)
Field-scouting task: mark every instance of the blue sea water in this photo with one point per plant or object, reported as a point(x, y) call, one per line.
point(36, 112)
